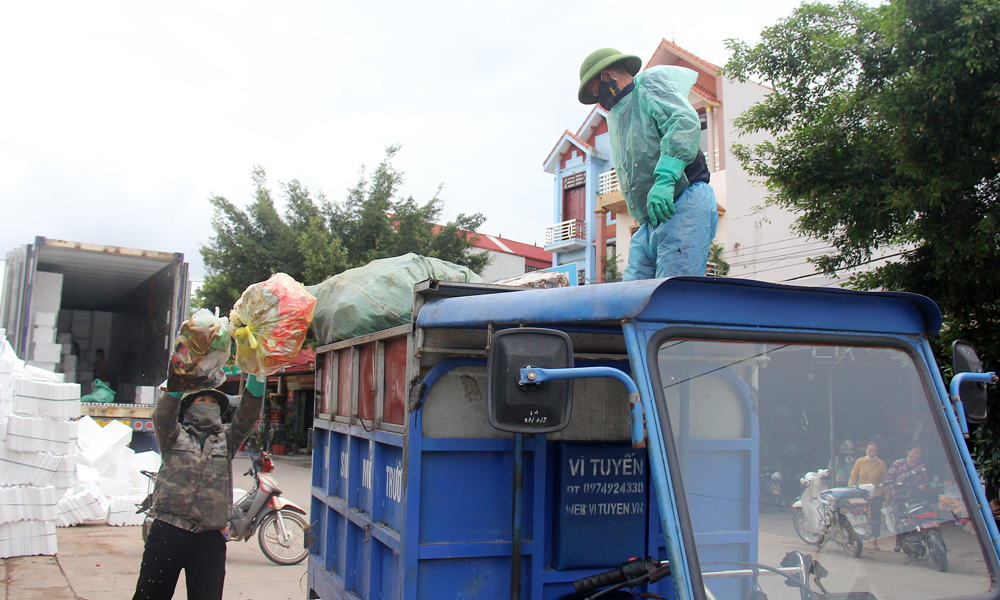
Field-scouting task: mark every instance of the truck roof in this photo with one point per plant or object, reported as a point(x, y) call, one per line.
point(696, 300)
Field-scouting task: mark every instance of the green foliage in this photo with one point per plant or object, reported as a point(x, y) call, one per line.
point(885, 129)
point(886, 139)
point(715, 258)
point(316, 239)
point(613, 270)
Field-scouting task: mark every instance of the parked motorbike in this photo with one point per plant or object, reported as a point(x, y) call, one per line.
point(280, 524)
point(840, 515)
point(917, 518)
point(770, 491)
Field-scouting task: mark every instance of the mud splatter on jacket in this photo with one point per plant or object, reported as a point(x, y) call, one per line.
point(194, 486)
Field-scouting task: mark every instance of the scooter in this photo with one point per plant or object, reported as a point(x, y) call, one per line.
point(918, 518)
point(826, 514)
point(280, 524)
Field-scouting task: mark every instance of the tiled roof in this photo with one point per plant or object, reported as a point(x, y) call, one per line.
point(681, 51)
point(499, 244)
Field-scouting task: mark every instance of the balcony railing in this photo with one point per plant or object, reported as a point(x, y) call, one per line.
point(566, 232)
point(608, 182)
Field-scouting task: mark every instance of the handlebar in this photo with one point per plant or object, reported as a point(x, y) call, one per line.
point(635, 572)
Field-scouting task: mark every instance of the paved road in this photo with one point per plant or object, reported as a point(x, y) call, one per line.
point(102, 563)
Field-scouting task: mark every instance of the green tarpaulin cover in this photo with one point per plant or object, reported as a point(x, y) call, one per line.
point(376, 296)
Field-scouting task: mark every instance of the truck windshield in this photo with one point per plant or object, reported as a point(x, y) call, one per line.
point(770, 438)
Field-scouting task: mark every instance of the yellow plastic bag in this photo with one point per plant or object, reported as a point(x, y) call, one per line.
point(270, 321)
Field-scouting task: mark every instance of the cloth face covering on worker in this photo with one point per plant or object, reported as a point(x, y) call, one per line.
point(654, 133)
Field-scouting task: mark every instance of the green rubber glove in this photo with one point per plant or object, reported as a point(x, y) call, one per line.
point(255, 386)
point(660, 200)
point(178, 395)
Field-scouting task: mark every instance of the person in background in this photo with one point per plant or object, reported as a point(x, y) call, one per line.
point(192, 500)
point(871, 469)
point(101, 366)
point(910, 475)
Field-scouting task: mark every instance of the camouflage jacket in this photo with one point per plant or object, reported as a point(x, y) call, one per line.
point(194, 486)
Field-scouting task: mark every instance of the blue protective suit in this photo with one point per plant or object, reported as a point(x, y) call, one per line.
point(654, 131)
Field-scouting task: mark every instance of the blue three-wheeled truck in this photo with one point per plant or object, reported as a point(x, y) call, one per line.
point(649, 437)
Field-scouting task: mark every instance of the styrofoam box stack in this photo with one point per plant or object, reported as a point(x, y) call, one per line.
point(23, 503)
point(81, 504)
point(46, 292)
point(28, 538)
point(47, 399)
point(28, 468)
point(39, 434)
point(110, 471)
point(121, 511)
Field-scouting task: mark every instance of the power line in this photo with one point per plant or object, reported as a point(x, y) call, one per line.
point(850, 267)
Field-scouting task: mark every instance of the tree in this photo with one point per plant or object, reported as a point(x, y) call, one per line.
point(886, 141)
point(317, 239)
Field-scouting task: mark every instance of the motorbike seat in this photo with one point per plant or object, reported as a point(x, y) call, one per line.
point(843, 493)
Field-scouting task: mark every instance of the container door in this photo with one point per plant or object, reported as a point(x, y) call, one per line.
point(16, 292)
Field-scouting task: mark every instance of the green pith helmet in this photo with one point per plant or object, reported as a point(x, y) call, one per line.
point(597, 62)
point(220, 397)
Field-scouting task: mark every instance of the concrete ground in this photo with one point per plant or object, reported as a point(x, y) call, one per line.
point(98, 562)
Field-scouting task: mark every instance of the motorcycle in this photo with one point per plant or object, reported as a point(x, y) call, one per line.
point(918, 518)
point(770, 491)
point(280, 524)
point(825, 514)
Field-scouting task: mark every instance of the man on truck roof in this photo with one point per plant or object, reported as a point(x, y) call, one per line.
point(654, 133)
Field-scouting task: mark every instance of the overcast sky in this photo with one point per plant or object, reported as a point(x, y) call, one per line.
point(119, 119)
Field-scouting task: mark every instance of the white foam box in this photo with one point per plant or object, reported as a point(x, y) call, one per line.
point(114, 487)
point(47, 399)
point(145, 394)
point(82, 324)
point(43, 334)
point(65, 348)
point(45, 365)
point(63, 336)
point(40, 434)
point(121, 511)
point(64, 318)
point(28, 538)
point(47, 292)
point(102, 319)
point(45, 319)
point(69, 363)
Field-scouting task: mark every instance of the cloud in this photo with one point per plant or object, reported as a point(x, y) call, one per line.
point(119, 120)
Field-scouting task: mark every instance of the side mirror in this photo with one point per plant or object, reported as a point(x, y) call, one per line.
point(964, 359)
point(528, 407)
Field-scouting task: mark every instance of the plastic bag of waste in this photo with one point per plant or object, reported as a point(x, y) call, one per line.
point(201, 350)
point(102, 393)
point(270, 322)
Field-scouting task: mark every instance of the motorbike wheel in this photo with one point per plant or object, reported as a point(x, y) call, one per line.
point(269, 537)
point(938, 551)
point(854, 544)
point(802, 528)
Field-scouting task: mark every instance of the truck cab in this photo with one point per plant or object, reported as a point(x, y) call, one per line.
point(421, 490)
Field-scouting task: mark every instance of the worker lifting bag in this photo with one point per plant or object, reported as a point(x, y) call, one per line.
point(270, 321)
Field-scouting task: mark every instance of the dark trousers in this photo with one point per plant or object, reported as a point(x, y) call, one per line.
point(170, 549)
